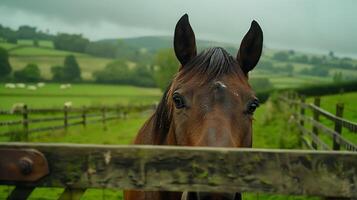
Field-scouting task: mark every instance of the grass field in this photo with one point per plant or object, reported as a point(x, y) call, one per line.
point(45, 57)
point(271, 126)
point(79, 94)
point(350, 113)
point(268, 134)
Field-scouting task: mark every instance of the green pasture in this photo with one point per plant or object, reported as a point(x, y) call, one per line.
point(269, 132)
point(350, 113)
point(45, 57)
point(36, 51)
point(88, 64)
point(51, 95)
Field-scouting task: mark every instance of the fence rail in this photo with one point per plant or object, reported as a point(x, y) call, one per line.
point(298, 172)
point(86, 115)
point(335, 134)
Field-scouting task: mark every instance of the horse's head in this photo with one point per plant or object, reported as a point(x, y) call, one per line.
point(210, 102)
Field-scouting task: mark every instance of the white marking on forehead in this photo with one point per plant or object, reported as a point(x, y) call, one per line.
point(220, 84)
point(236, 94)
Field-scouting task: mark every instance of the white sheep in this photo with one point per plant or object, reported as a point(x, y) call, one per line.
point(31, 87)
point(10, 85)
point(16, 107)
point(20, 85)
point(65, 86)
point(68, 104)
point(40, 84)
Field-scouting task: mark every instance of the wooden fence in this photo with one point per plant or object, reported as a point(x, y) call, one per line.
point(79, 167)
point(67, 116)
point(335, 133)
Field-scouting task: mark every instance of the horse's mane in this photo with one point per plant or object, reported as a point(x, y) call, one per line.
point(210, 64)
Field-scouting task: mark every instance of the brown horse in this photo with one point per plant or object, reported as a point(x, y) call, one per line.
point(208, 103)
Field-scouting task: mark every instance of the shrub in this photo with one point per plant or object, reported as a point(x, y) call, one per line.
point(166, 66)
point(5, 67)
point(31, 73)
point(261, 84)
point(119, 72)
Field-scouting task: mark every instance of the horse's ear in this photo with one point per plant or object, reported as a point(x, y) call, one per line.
point(184, 41)
point(251, 48)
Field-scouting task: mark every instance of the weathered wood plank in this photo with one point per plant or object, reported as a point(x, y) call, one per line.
point(322, 173)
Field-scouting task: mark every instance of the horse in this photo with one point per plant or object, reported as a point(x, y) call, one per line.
point(209, 102)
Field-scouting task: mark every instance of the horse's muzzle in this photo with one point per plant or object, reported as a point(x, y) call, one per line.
point(210, 196)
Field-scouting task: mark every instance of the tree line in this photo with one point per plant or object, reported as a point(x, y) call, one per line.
point(69, 72)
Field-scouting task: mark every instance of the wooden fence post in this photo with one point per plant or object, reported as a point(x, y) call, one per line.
point(104, 118)
point(84, 117)
point(65, 112)
point(25, 122)
point(302, 114)
point(338, 126)
point(315, 130)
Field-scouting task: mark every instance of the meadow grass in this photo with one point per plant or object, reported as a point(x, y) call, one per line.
point(79, 94)
point(38, 51)
point(272, 128)
point(350, 113)
point(7, 46)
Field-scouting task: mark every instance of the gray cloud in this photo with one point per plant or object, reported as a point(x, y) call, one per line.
point(317, 25)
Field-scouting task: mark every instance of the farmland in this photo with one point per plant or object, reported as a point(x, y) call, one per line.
point(79, 94)
point(271, 125)
point(45, 56)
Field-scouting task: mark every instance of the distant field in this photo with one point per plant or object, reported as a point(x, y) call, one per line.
point(36, 51)
point(79, 94)
point(88, 64)
point(45, 57)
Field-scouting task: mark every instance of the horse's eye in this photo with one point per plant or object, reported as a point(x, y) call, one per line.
point(178, 100)
point(252, 106)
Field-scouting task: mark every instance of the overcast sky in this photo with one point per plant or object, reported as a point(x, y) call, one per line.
point(312, 25)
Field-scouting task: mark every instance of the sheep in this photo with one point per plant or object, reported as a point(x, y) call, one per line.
point(10, 85)
point(65, 86)
point(31, 87)
point(40, 84)
point(68, 104)
point(16, 107)
point(20, 85)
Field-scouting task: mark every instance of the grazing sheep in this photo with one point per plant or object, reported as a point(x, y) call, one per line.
point(31, 87)
point(10, 85)
point(40, 84)
point(65, 86)
point(21, 85)
point(68, 104)
point(17, 107)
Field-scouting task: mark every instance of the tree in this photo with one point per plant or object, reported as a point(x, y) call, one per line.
point(281, 56)
point(261, 84)
point(35, 43)
point(70, 42)
point(120, 72)
point(57, 73)
point(26, 32)
point(166, 66)
point(31, 73)
point(337, 77)
point(5, 67)
point(71, 70)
